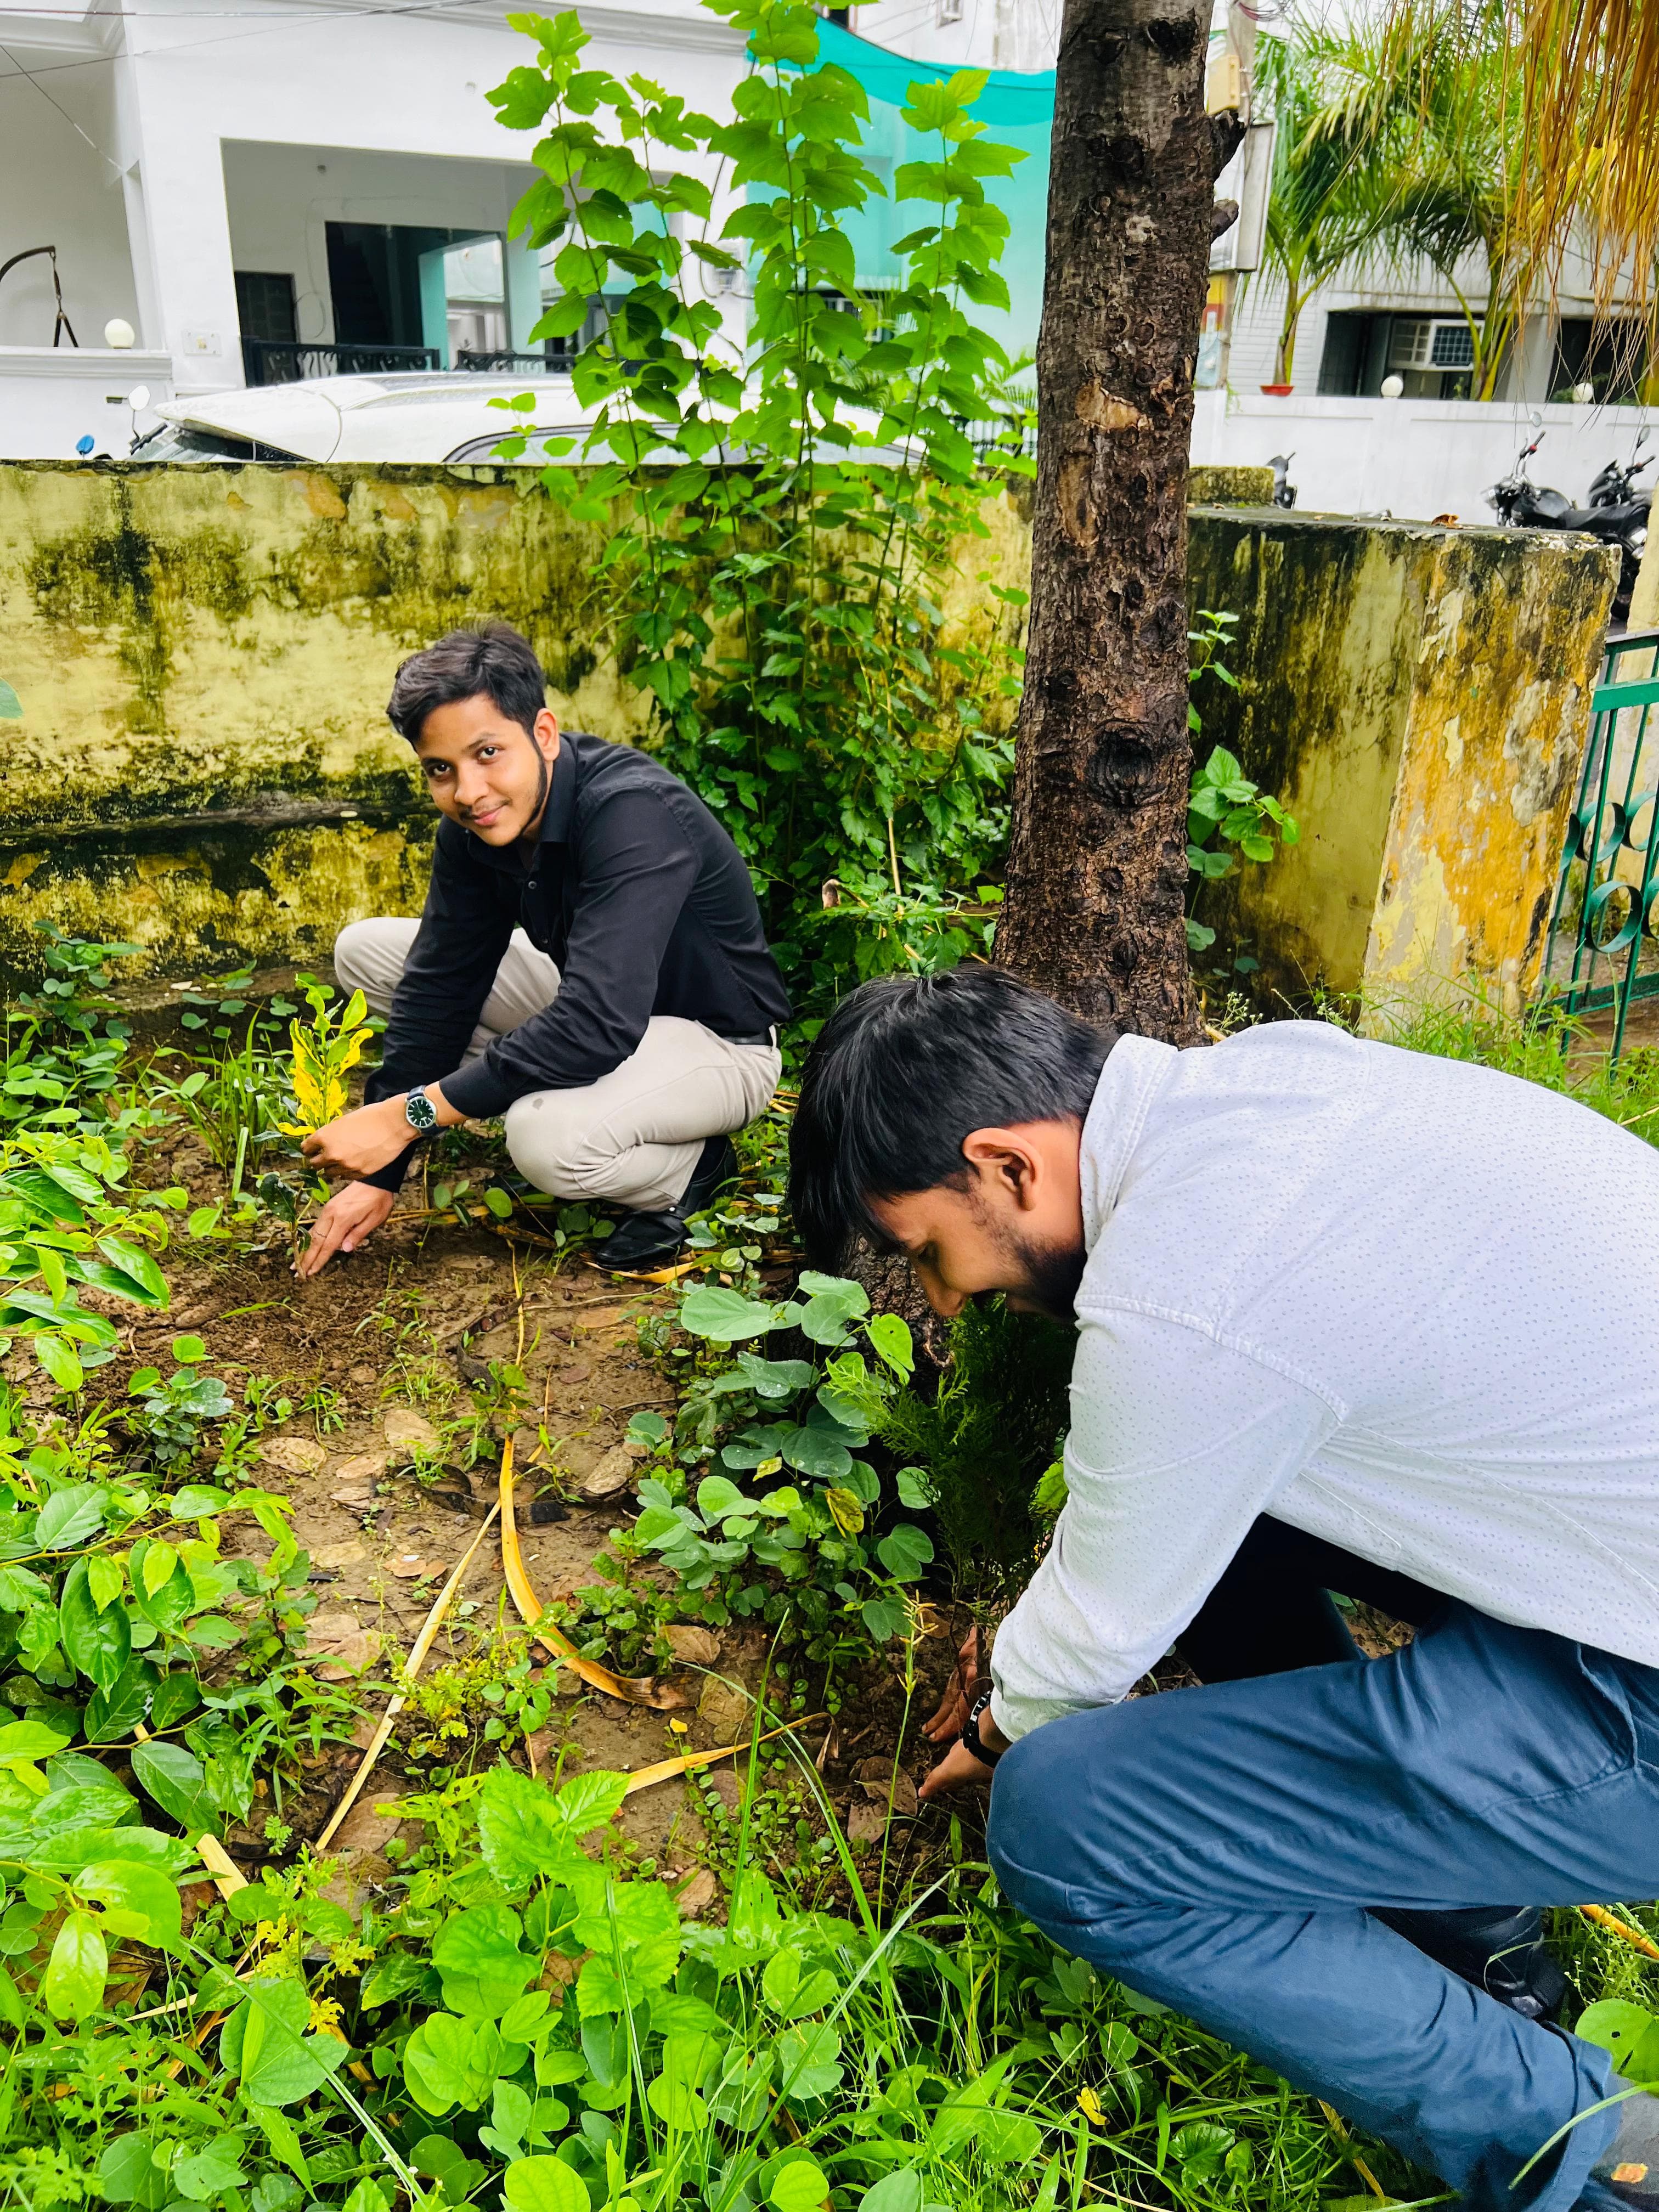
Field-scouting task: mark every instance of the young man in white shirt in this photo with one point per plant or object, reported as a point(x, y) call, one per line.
point(1349, 1318)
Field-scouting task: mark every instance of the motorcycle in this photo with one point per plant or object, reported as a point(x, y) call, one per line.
point(1615, 485)
point(1619, 517)
point(1284, 489)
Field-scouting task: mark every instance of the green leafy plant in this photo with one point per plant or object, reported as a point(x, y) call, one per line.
point(983, 1440)
point(174, 1411)
point(818, 1553)
point(782, 516)
point(65, 1042)
point(1229, 816)
point(63, 1224)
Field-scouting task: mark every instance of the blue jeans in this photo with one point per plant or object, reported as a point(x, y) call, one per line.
point(1217, 1848)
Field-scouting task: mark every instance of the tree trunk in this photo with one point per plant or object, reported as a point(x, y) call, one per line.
point(1097, 866)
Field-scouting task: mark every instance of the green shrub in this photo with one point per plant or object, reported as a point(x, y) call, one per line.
point(985, 1438)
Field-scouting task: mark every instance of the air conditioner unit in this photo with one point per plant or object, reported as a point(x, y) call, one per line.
point(1428, 342)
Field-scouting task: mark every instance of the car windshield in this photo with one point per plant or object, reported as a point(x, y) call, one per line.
point(186, 441)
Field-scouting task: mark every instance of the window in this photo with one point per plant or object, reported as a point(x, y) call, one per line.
point(947, 11)
point(264, 304)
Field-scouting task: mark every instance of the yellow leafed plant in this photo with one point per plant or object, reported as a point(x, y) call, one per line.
point(326, 1050)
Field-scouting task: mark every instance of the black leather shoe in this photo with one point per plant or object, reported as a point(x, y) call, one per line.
point(1500, 1949)
point(651, 1240)
point(643, 1240)
point(716, 1164)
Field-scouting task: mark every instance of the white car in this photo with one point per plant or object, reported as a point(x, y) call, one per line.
point(432, 415)
point(422, 414)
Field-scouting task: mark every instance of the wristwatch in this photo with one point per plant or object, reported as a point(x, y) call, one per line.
point(969, 1738)
point(420, 1113)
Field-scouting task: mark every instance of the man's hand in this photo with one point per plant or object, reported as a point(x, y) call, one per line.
point(350, 1217)
point(959, 1766)
point(360, 1142)
point(951, 1718)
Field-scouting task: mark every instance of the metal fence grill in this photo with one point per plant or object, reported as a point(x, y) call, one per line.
point(1603, 949)
point(275, 361)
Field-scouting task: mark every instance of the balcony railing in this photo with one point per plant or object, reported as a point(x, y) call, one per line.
point(280, 361)
point(517, 364)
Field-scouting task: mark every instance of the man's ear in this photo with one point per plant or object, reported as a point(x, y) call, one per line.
point(546, 735)
point(1004, 1160)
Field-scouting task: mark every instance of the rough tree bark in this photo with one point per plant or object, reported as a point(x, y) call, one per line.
point(1097, 866)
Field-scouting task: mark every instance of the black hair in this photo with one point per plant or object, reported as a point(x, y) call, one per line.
point(907, 1068)
point(487, 659)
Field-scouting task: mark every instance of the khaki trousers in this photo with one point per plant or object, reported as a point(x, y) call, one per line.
point(631, 1139)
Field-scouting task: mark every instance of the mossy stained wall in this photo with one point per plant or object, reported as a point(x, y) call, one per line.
point(204, 653)
point(1419, 698)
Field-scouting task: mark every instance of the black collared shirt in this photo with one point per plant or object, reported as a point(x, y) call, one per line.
point(636, 892)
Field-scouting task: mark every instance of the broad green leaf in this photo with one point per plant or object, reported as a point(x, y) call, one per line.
point(798, 2187)
point(1614, 2025)
point(129, 2174)
point(59, 1359)
point(898, 2191)
point(200, 2175)
point(544, 2185)
point(112, 1715)
point(449, 2062)
point(69, 1515)
point(916, 1488)
point(159, 1560)
point(265, 2043)
point(138, 1900)
point(72, 1987)
point(904, 1552)
point(30, 1740)
point(890, 1338)
point(477, 1953)
point(99, 1643)
point(808, 2063)
point(105, 1580)
point(176, 1779)
point(724, 1316)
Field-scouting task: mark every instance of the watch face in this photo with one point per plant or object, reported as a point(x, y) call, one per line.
point(420, 1112)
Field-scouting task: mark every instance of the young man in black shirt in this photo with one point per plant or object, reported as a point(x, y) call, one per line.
point(590, 965)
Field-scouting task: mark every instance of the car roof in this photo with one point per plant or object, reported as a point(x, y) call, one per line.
point(408, 417)
point(414, 416)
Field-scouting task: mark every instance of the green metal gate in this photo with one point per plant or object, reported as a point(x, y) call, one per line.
point(1603, 947)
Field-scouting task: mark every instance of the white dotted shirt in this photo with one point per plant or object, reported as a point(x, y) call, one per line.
point(1408, 1305)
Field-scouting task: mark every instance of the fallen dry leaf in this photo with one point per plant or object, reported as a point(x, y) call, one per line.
point(726, 1708)
point(611, 1473)
point(697, 1895)
point(692, 1647)
point(294, 1455)
point(875, 1777)
point(348, 1554)
point(361, 1467)
point(343, 1646)
point(404, 1428)
point(409, 1567)
point(865, 1823)
point(366, 1828)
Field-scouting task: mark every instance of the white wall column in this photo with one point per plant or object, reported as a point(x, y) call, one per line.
point(191, 270)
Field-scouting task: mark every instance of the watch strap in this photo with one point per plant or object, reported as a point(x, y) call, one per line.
point(971, 1740)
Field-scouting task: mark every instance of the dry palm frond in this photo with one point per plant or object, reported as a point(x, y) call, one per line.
point(1571, 88)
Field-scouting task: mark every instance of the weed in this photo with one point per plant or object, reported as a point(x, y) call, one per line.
point(174, 1411)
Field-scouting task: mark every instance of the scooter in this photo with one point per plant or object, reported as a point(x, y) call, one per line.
point(1520, 504)
point(1284, 489)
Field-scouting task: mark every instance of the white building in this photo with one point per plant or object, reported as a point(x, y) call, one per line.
point(237, 179)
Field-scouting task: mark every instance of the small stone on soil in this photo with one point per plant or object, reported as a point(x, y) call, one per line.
point(610, 1474)
point(403, 1426)
point(697, 1895)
